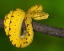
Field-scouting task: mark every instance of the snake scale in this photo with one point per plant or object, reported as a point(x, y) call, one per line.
point(13, 24)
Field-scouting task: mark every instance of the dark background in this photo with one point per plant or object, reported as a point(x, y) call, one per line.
point(41, 42)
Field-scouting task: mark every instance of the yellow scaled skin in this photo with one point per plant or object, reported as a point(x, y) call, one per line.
point(13, 24)
point(6, 22)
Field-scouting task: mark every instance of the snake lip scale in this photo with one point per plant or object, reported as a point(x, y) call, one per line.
point(13, 24)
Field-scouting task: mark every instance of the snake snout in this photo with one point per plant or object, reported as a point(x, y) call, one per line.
point(44, 16)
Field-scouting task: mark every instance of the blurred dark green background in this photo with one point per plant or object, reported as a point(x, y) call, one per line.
point(41, 42)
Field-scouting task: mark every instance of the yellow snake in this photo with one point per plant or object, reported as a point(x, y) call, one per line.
point(13, 24)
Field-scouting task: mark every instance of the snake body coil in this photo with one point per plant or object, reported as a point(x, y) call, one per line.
point(13, 24)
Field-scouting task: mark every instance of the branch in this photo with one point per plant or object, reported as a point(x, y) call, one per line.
point(45, 29)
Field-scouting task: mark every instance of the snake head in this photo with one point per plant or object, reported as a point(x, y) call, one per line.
point(39, 15)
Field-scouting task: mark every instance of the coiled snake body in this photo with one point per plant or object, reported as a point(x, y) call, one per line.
point(13, 24)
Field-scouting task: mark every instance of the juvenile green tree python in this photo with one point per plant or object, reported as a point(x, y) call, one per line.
point(13, 24)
